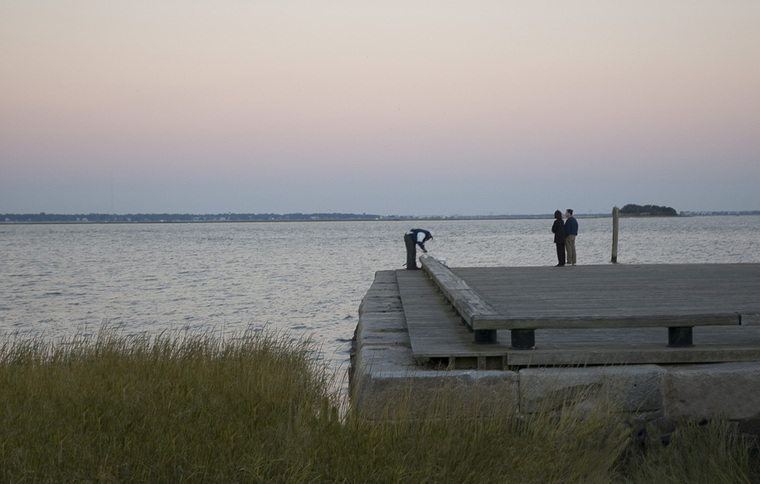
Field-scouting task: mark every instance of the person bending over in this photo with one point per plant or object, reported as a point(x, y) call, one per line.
point(412, 239)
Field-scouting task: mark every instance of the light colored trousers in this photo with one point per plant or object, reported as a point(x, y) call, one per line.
point(570, 249)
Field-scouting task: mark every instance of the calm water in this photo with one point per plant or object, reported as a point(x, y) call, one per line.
point(304, 277)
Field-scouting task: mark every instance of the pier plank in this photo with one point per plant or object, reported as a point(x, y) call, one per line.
point(632, 355)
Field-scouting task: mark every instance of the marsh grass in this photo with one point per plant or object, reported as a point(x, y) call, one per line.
point(123, 408)
point(709, 453)
point(258, 408)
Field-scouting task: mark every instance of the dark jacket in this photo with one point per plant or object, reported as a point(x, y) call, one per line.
point(427, 236)
point(559, 231)
point(571, 226)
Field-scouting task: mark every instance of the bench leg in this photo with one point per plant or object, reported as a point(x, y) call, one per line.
point(523, 339)
point(680, 337)
point(485, 336)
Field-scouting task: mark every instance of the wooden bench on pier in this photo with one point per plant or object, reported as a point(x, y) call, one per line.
point(484, 318)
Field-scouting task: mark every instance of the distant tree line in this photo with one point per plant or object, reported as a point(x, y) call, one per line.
point(651, 210)
point(42, 217)
point(723, 212)
point(182, 217)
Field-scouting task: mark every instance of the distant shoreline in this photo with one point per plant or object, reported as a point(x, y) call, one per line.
point(284, 220)
point(96, 218)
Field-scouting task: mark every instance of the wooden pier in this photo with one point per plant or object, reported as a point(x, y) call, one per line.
point(581, 315)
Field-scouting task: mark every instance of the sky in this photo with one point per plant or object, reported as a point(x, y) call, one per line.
point(412, 107)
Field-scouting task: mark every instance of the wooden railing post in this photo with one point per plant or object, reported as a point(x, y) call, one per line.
point(411, 252)
point(615, 218)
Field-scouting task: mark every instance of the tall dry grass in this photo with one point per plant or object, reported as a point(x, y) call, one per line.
point(138, 409)
point(259, 408)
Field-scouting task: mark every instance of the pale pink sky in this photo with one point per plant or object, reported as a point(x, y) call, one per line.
point(396, 107)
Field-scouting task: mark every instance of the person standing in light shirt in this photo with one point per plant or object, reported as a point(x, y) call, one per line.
point(571, 230)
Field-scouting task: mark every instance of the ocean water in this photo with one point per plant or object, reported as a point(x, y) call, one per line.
point(303, 278)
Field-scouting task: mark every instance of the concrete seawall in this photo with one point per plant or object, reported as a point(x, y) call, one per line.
point(383, 362)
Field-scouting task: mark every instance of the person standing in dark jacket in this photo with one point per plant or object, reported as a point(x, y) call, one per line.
point(559, 238)
point(571, 230)
point(412, 239)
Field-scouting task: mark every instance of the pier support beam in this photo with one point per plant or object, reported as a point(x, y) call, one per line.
point(523, 339)
point(680, 337)
point(485, 336)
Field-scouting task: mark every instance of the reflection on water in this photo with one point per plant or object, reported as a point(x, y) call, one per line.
point(306, 278)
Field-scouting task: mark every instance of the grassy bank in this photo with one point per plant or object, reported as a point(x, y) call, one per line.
point(257, 408)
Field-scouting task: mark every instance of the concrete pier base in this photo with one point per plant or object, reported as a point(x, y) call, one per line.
point(382, 363)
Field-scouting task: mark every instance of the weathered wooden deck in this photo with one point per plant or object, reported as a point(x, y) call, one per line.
point(622, 295)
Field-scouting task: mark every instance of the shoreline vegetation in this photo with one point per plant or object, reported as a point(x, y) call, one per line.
point(258, 407)
point(629, 210)
point(648, 210)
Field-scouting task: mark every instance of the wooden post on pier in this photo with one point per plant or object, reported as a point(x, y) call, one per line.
point(411, 252)
point(615, 218)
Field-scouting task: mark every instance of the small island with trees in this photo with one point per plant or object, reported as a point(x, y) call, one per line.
point(648, 211)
